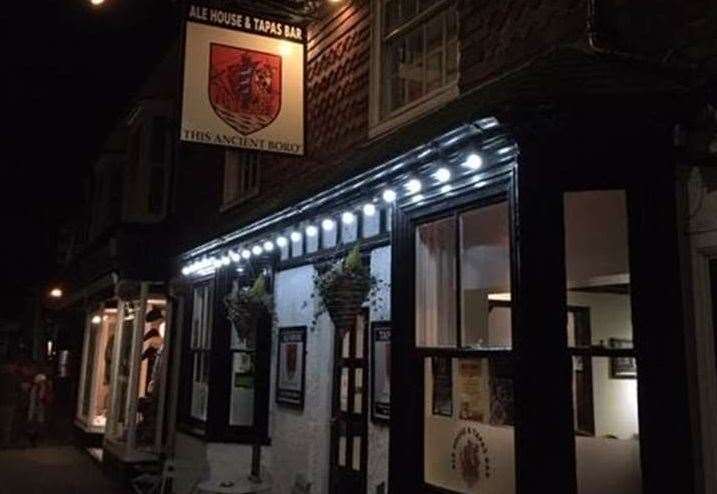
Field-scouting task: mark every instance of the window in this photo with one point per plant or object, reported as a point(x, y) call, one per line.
point(228, 397)
point(241, 177)
point(200, 349)
point(417, 56)
point(600, 339)
point(463, 329)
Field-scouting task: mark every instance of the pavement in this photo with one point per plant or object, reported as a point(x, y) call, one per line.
point(52, 470)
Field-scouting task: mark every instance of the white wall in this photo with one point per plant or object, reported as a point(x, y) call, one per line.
point(300, 440)
point(378, 433)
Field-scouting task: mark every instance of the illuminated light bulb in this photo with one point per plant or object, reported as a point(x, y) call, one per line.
point(369, 209)
point(246, 254)
point(473, 161)
point(240, 269)
point(413, 186)
point(418, 198)
point(226, 261)
point(234, 256)
point(217, 263)
point(311, 231)
point(268, 246)
point(295, 237)
point(282, 242)
point(389, 195)
point(97, 2)
point(96, 319)
point(328, 224)
point(186, 270)
point(56, 293)
point(446, 189)
point(442, 175)
point(257, 250)
point(348, 217)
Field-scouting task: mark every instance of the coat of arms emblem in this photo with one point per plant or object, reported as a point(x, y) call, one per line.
point(244, 87)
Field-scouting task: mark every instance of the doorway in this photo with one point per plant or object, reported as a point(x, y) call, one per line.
point(349, 426)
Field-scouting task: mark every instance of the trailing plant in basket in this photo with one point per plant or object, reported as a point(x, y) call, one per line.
point(341, 288)
point(245, 306)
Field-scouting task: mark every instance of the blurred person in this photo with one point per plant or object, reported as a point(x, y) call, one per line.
point(40, 399)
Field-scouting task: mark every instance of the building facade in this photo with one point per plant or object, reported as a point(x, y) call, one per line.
point(511, 179)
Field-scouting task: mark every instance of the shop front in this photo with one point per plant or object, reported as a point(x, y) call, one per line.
point(121, 391)
point(523, 331)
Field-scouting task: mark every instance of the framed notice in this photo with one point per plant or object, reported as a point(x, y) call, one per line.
point(622, 367)
point(243, 81)
point(442, 368)
point(381, 371)
point(291, 366)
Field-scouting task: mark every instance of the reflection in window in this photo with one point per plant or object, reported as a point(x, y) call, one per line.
point(600, 320)
point(485, 277)
point(200, 348)
point(436, 284)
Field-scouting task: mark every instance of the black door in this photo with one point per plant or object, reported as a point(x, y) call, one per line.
point(349, 424)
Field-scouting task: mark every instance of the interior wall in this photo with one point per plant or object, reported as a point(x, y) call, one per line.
point(615, 400)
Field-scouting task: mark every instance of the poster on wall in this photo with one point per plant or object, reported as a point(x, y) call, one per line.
point(381, 371)
point(473, 390)
point(243, 81)
point(291, 366)
point(442, 368)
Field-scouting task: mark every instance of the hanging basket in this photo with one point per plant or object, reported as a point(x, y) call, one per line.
point(344, 298)
point(245, 309)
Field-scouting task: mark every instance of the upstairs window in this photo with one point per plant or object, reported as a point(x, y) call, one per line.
point(241, 177)
point(419, 52)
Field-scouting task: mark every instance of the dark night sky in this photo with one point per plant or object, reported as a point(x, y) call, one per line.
point(69, 70)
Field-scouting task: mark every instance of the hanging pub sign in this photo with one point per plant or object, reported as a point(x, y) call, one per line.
point(243, 81)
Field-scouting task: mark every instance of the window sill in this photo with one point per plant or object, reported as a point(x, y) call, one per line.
point(413, 111)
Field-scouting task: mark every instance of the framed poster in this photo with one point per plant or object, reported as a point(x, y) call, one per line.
point(291, 366)
point(442, 368)
point(243, 81)
point(622, 367)
point(381, 371)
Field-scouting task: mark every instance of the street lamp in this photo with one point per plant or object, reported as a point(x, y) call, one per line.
point(97, 2)
point(56, 293)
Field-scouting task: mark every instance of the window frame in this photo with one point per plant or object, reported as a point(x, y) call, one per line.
point(378, 122)
point(247, 177)
point(216, 427)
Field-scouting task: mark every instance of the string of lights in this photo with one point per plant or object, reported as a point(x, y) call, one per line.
point(447, 168)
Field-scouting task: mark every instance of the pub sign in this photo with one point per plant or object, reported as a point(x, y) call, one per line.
point(243, 81)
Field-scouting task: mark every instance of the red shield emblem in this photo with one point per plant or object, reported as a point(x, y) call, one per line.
point(244, 87)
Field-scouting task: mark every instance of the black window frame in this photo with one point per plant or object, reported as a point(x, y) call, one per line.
point(216, 428)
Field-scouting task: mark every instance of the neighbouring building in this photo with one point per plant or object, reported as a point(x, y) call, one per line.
point(530, 186)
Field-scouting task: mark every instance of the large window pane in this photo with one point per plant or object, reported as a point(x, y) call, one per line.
point(436, 284)
point(485, 277)
point(600, 320)
point(468, 425)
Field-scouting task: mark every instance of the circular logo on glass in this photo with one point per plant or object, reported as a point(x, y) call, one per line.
point(469, 456)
